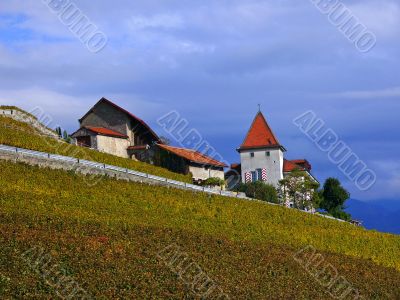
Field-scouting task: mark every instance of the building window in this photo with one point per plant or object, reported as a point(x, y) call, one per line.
point(252, 154)
point(268, 153)
point(253, 176)
point(259, 174)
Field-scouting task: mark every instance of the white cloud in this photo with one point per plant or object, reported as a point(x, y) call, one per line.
point(370, 94)
point(63, 109)
point(165, 21)
point(381, 17)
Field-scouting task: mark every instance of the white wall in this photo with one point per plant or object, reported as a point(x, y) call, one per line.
point(111, 145)
point(203, 174)
point(273, 163)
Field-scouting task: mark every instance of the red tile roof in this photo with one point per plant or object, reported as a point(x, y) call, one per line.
point(303, 163)
point(193, 156)
point(260, 135)
point(143, 123)
point(106, 132)
point(296, 164)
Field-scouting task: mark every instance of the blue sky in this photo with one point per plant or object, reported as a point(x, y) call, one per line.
point(213, 62)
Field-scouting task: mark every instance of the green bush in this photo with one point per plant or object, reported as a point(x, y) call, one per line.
point(259, 190)
point(213, 181)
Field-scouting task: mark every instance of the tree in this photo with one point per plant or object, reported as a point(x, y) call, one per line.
point(334, 197)
point(66, 136)
point(59, 132)
point(301, 189)
point(259, 190)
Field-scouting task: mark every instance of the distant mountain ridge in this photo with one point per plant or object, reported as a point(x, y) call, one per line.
point(381, 215)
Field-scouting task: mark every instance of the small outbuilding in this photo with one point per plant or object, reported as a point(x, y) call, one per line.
point(185, 161)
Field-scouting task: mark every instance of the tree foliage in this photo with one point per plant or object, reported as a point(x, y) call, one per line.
point(299, 188)
point(334, 197)
point(259, 190)
point(213, 181)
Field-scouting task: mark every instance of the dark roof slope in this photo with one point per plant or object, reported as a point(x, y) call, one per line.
point(132, 116)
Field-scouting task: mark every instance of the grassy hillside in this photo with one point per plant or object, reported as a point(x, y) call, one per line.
point(107, 238)
point(22, 135)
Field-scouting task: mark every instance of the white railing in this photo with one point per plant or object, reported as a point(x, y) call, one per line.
point(72, 160)
point(97, 165)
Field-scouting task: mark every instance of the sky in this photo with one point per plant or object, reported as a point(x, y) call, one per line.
point(213, 62)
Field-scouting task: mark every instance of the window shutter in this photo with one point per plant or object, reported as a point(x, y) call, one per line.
point(247, 177)
point(264, 174)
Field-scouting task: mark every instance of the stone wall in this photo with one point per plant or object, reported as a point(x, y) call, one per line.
point(203, 173)
point(78, 168)
point(112, 145)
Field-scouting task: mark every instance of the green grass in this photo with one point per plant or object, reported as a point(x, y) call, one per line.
point(107, 237)
point(18, 134)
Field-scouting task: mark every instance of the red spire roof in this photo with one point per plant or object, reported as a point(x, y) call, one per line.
point(260, 135)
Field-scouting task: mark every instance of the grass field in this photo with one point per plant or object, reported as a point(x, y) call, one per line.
point(18, 134)
point(107, 238)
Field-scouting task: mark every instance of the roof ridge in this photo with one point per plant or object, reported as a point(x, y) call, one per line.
point(103, 99)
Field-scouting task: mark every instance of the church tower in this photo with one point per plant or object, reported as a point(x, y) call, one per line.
point(261, 154)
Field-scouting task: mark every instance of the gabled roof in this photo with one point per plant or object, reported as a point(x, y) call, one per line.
point(132, 116)
point(289, 166)
point(303, 163)
point(260, 135)
point(298, 164)
point(193, 156)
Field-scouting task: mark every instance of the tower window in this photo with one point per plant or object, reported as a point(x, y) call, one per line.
point(252, 154)
point(267, 153)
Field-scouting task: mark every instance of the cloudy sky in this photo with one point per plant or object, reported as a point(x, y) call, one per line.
point(214, 62)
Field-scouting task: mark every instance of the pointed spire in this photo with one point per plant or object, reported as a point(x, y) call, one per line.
point(260, 135)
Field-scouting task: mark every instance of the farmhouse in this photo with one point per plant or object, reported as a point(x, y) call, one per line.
point(186, 161)
point(109, 128)
point(262, 156)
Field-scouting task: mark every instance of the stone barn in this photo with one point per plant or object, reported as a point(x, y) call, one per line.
point(111, 129)
point(187, 161)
